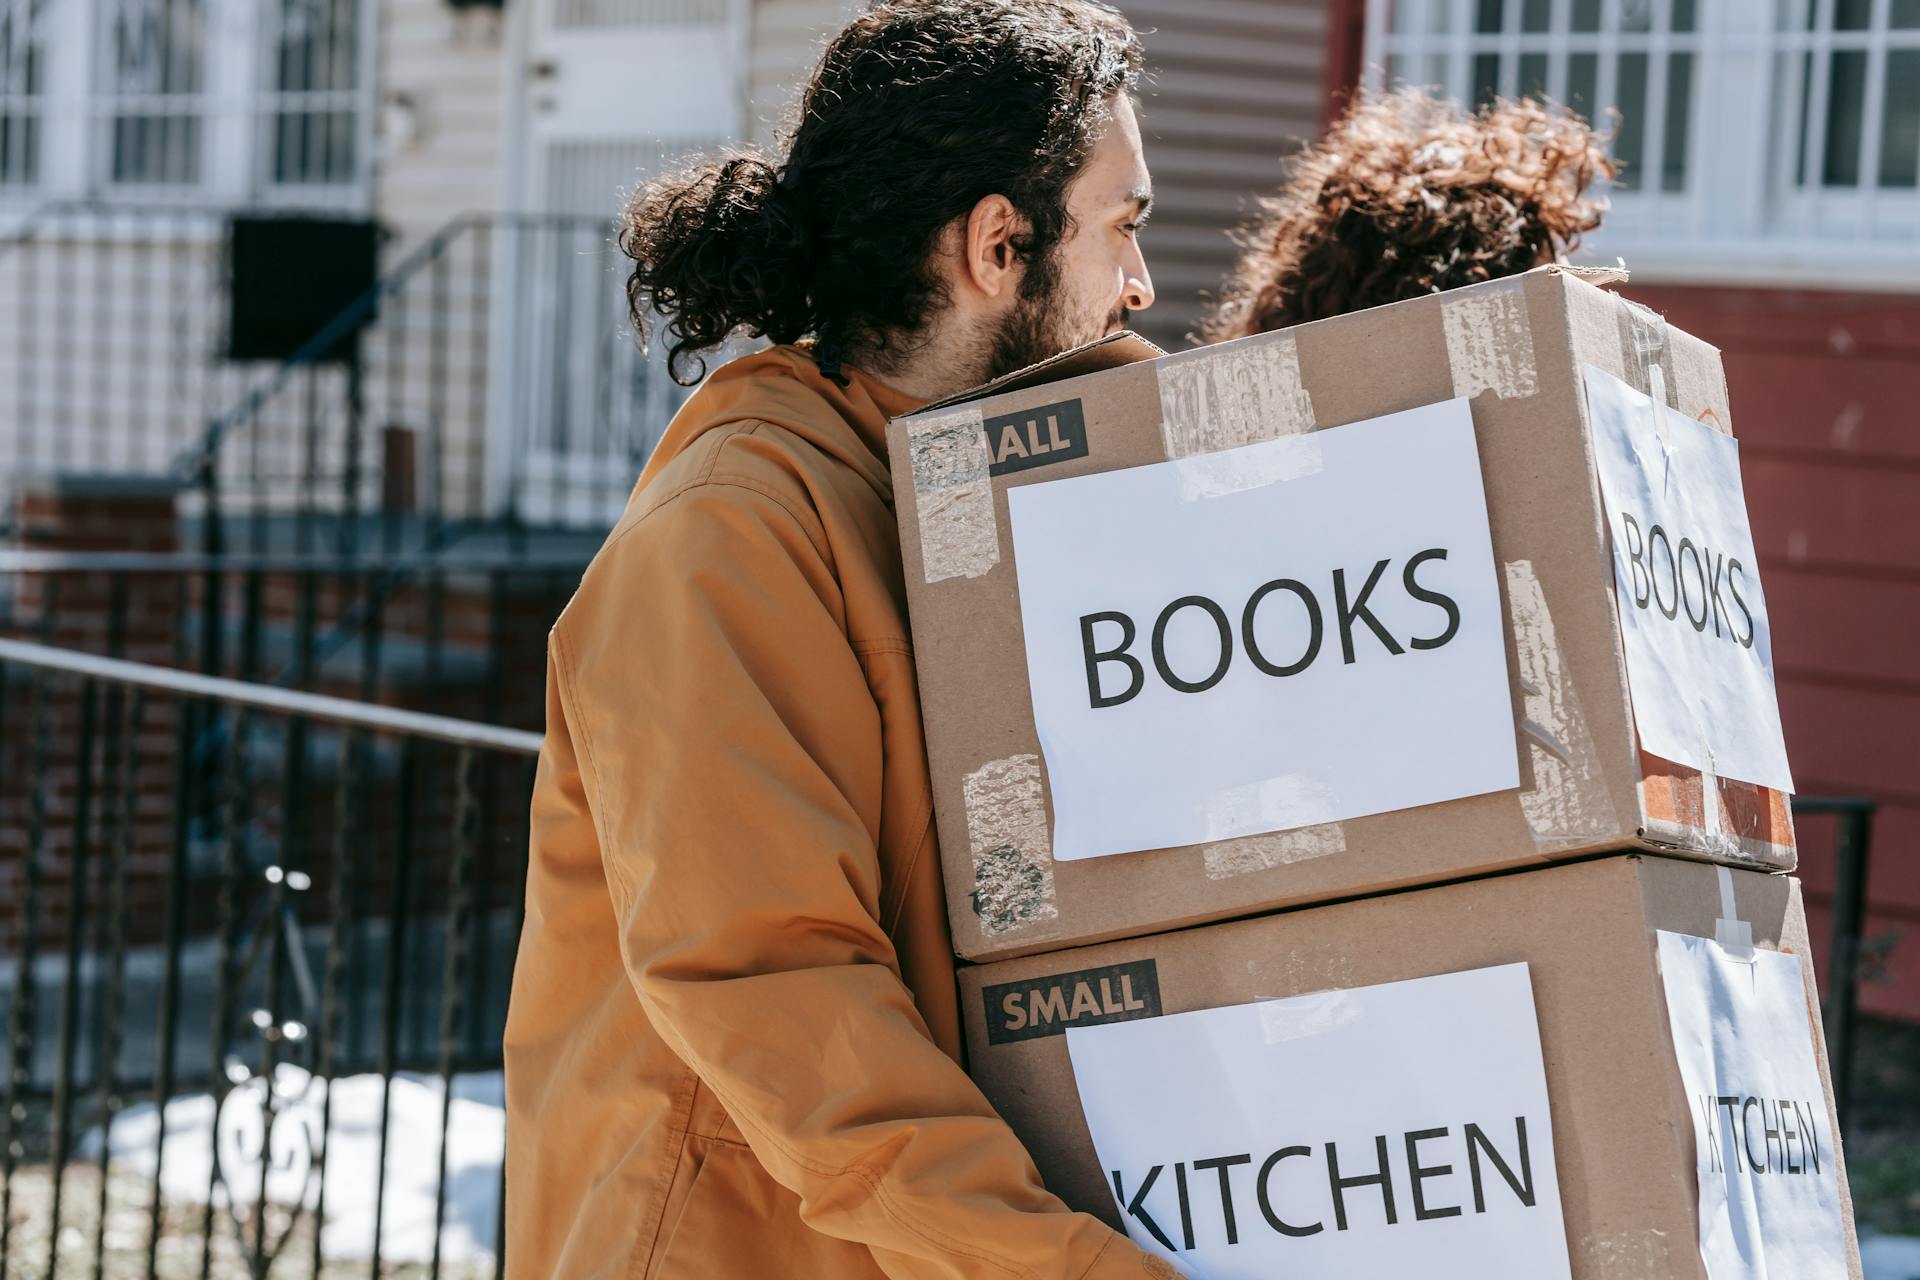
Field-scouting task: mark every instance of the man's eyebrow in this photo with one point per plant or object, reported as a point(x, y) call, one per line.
point(1141, 198)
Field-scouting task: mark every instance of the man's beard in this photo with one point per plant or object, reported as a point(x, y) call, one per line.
point(1038, 326)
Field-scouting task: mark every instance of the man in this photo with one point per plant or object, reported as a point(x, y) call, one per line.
point(1404, 197)
point(733, 1046)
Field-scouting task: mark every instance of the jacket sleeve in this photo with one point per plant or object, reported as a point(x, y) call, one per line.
point(731, 753)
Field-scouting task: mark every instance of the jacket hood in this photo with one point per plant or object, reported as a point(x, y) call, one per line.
point(783, 385)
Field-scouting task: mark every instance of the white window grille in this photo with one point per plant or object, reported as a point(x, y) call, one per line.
point(1635, 56)
point(23, 73)
point(639, 13)
point(312, 109)
point(1848, 73)
point(153, 91)
point(1758, 138)
point(222, 102)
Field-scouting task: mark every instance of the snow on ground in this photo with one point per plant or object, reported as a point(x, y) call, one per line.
point(476, 1134)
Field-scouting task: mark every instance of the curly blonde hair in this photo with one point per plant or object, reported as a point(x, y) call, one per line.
point(1404, 197)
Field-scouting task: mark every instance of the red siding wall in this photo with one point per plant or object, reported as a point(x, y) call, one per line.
point(1825, 391)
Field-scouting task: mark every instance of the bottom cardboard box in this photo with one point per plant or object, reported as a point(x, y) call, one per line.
point(1624, 1129)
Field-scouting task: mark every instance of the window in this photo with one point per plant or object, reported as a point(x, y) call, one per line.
point(1852, 67)
point(155, 91)
point(1777, 137)
point(313, 119)
point(203, 101)
point(22, 82)
point(1637, 57)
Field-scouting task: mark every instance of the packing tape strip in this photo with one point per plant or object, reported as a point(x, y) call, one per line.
point(953, 493)
point(1289, 812)
point(1214, 475)
point(1240, 393)
point(1628, 1255)
point(1715, 838)
point(1734, 935)
point(1304, 1017)
point(1567, 806)
point(1227, 397)
point(1248, 854)
point(1643, 349)
point(1489, 341)
point(1012, 853)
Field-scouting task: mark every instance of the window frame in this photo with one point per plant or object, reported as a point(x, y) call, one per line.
point(23, 120)
point(78, 106)
point(1740, 217)
point(1806, 203)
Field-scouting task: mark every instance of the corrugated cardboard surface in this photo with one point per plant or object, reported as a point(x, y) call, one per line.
point(1736, 822)
point(1585, 785)
point(1621, 1129)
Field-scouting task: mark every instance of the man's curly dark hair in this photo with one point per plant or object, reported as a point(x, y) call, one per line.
point(1404, 197)
point(918, 110)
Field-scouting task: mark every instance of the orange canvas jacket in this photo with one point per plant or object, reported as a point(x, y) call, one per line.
point(733, 1045)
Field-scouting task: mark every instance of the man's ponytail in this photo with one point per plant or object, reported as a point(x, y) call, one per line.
point(721, 247)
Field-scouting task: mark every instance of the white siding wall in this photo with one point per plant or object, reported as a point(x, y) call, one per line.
point(452, 68)
point(443, 102)
point(786, 41)
point(108, 325)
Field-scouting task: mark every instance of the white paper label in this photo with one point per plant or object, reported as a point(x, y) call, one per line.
point(1699, 652)
point(1764, 1144)
point(1394, 1130)
point(1275, 636)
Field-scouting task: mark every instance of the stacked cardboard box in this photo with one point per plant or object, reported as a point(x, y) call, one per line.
point(1281, 631)
point(1623, 1121)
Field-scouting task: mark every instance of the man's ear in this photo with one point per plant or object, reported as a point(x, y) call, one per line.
point(990, 263)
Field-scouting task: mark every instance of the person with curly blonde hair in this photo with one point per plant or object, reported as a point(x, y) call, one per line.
point(1406, 196)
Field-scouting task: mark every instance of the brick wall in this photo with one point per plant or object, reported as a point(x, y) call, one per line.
point(491, 636)
point(1822, 386)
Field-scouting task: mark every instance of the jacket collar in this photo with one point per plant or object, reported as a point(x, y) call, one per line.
point(783, 385)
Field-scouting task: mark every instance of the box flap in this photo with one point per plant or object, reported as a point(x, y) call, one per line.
point(1110, 352)
point(1593, 275)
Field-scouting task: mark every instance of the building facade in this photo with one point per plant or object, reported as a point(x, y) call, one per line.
point(1770, 203)
point(496, 375)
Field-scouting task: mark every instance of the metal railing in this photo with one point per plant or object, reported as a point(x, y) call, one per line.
point(112, 321)
point(454, 631)
point(498, 364)
point(1847, 924)
point(370, 862)
point(490, 375)
point(254, 894)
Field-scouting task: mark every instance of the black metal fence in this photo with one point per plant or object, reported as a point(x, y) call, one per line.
point(263, 914)
point(201, 855)
point(357, 925)
point(455, 632)
point(1853, 843)
point(112, 323)
point(239, 890)
point(489, 376)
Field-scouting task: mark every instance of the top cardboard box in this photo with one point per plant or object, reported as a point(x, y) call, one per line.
point(1368, 645)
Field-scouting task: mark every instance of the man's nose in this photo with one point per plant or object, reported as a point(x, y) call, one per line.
point(1138, 293)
